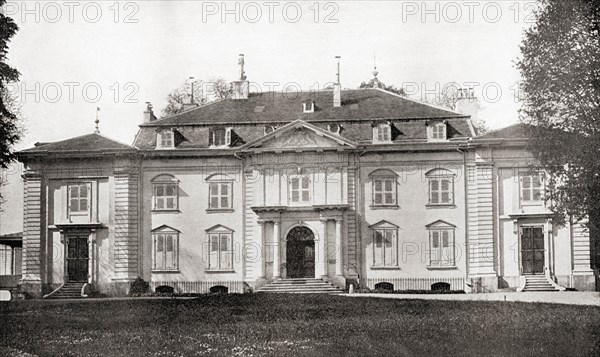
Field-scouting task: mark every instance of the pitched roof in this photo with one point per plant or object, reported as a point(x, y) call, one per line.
point(278, 107)
point(515, 131)
point(94, 142)
point(359, 110)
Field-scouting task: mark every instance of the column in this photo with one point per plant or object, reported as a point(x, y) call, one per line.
point(276, 253)
point(321, 254)
point(260, 264)
point(339, 271)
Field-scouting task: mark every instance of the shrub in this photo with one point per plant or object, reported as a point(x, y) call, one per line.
point(138, 287)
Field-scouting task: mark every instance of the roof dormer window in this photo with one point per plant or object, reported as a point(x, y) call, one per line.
point(219, 137)
point(165, 139)
point(309, 107)
point(382, 133)
point(436, 131)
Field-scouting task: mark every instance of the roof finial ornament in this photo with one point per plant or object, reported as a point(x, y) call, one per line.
point(241, 63)
point(97, 131)
point(338, 69)
point(375, 72)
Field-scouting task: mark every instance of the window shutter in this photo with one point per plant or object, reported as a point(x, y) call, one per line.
point(211, 140)
point(228, 136)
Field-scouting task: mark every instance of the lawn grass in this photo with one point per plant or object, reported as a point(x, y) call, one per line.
point(299, 325)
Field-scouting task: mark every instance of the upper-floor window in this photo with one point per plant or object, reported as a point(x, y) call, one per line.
point(384, 184)
point(220, 248)
point(385, 244)
point(531, 187)
point(437, 131)
point(299, 188)
point(165, 193)
point(382, 133)
point(165, 139)
point(219, 192)
point(79, 199)
point(441, 244)
point(219, 137)
point(165, 248)
point(441, 187)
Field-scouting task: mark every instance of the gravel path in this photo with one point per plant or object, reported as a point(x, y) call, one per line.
point(562, 297)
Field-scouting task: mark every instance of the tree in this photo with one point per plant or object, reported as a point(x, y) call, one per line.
point(204, 92)
point(560, 67)
point(182, 95)
point(376, 83)
point(10, 132)
point(218, 88)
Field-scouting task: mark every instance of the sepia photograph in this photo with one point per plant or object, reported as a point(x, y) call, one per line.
point(300, 178)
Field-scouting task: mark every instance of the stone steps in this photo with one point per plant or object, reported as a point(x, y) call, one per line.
point(300, 286)
point(538, 283)
point(69, 291)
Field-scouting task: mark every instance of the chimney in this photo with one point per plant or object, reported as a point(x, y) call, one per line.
point(149, 114)
point(241, 87)
point(337, 87)
point(467, 103)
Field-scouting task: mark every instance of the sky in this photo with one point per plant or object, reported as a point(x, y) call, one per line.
point(77, 56)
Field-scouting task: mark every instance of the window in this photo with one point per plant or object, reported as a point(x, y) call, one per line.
point(220, 248)
point(441, 187)
point(299, 189)
point(385, 244)
point(308, 107)
point(384, 187)
point(441, 244)
point(220, 137)
point(10, 260)
point(384, 192)
point(335, 128)
point(531, 188)
point(165, 242)
point(165, 193)
point(220, 193)
point(382, 133)
point(437, 131)
point(166, 139)
point(79, 199)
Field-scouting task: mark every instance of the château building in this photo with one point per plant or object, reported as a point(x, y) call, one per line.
point(362, 187)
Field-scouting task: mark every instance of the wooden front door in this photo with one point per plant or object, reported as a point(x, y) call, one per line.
point(532, 250)
point(77, 258)
point(300, 253)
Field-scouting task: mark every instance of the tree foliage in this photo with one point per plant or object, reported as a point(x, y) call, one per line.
point(10, 131)
point(376, 83)
point(204, 92)
point(560, 66)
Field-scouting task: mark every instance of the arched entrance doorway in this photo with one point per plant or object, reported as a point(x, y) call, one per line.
point(300, 253)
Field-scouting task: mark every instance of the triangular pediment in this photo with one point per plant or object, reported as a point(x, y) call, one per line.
point(440, 224)
point(300, 135)
point(383, 224)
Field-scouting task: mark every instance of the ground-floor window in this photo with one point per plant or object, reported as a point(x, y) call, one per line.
point(9, 260)
point(441, 242)
point(220, 248)
point(384, 247)
point(166, 250)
